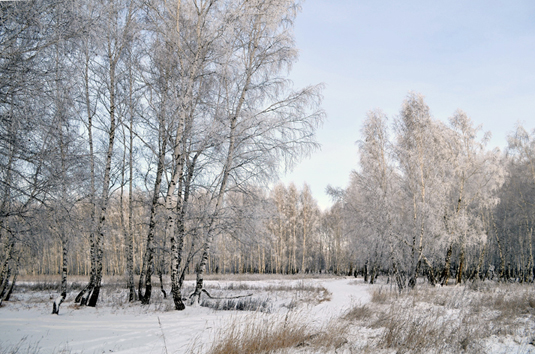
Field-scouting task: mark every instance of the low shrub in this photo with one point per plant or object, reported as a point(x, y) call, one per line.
point(242, 304)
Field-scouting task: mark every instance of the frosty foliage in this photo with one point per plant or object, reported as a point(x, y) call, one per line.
point(422, 191)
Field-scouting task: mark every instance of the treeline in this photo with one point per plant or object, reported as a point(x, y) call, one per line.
point(282, 232)
point(430, 199)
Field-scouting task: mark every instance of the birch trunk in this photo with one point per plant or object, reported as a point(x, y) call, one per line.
point(5, 273)
point(93, 298)
point(195, 297)
point(83, 295)
point(170, 206)
point(146, 273)
point(13, 281)
point(116, 41)
point(64, 269)
point(477, 272)
point(103, 208)
point(129, 234)
point(500, 252)
point(61, 227)
point(186, 107)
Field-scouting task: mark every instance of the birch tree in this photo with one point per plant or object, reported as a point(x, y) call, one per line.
point(115, 25)
point(27, 125)
point(428, 193)
point(309, 214)
point(378, 193)
point(66, 159)
point(418, 151)
point(514, 218)
point(184, 32)
point(476, 175)
point(264, 122)
point(277, 227)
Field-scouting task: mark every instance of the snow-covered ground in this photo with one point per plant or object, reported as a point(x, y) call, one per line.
point(494, 318)
point(26, 321)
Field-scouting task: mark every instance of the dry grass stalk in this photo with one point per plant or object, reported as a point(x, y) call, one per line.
point(272, 333)
point(381, 296)
point(358, 313)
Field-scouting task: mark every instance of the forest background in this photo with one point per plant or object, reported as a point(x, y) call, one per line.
point(146, 138)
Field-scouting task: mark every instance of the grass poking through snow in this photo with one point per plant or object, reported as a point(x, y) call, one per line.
point(447, 319)
point(262, 333)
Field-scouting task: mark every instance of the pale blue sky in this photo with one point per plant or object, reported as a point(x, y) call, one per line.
point(475, 55)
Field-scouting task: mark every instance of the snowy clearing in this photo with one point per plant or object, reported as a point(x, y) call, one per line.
point(124, 328)
point(350, 316)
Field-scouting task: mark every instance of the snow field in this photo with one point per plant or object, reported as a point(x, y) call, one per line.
point(341, 315)
point(119, 327)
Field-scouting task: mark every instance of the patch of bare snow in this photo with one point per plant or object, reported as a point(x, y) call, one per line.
point(509, 345)
point(98, 330)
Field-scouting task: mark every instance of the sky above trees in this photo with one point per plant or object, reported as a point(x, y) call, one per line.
point(478, 56)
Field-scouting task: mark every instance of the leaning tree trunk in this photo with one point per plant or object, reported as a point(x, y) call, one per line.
point(63, 295)
point(250, 66)
point(13, 281)
point(195, 297)
point(145, 278)
point(148, 261)
point(201, 267)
